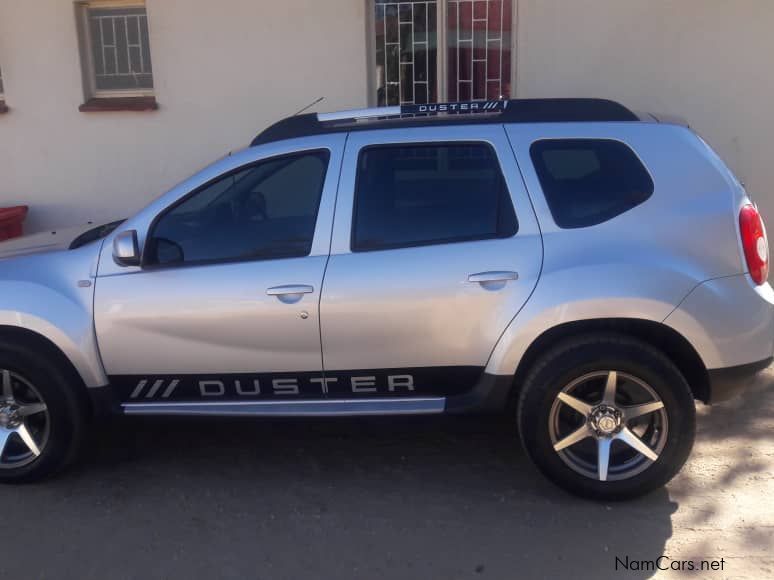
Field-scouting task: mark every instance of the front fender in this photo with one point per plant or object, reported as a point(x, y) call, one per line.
point(52, 295)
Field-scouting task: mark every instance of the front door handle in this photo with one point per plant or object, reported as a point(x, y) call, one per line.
point(289, 289)
point(498, 276)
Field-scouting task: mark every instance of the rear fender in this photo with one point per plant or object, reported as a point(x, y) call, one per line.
point(605, 290)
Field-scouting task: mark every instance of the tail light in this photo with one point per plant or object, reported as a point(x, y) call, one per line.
point(755, 244)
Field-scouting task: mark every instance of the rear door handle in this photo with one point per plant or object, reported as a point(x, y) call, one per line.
point(289, 289)
point(498, 276)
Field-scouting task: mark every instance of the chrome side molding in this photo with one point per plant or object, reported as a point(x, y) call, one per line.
point(309, 408)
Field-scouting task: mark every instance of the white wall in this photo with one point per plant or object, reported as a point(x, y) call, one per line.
point(223, 70)
point(709, 61)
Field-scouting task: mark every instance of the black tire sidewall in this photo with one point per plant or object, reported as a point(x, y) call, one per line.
point(575, 358)
point(64, 411)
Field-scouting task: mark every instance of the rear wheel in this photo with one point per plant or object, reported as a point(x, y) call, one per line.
point(41, 417)
point(607, 417)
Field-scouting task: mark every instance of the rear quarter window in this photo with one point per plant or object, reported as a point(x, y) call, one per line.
point(589, 181)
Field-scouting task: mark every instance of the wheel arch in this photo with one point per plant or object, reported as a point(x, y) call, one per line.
point(674, 345)
point(47, 348)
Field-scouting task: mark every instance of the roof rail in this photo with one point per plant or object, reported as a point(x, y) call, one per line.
point(467, 112)
point(412, 110)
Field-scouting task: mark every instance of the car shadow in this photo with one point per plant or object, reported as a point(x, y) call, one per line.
point(419, 497)
point(732, 457)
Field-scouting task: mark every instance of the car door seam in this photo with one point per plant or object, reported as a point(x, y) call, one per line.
point(328, 258)
point(542, 247)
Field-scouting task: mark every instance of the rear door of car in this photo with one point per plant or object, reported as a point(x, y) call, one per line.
point(435, 250)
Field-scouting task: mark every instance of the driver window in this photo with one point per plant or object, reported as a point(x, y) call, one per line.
point(266, 211)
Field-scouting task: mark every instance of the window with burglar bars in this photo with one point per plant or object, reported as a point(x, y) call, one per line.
point(116, 49)
point(426, 51)
point(479, 39)
point(406, 52)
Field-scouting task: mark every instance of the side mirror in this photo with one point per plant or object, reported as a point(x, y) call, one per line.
point(126, 250)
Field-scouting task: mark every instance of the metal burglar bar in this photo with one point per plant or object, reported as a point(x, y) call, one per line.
point(120, 49)
point(474, 62)
point(479, 49)
point(406, 51)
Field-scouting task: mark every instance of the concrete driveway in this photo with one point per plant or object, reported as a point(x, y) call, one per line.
point(420, 498)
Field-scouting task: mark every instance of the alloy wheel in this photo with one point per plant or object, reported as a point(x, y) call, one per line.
point(24, 421)
point(608, 425)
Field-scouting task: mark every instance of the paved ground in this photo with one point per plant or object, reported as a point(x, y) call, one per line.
point(425, 498)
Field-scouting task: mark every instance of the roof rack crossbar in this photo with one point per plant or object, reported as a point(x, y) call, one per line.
point(374, 112)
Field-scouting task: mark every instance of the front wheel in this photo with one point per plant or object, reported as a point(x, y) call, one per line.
point(41, 418)
point(607, 417)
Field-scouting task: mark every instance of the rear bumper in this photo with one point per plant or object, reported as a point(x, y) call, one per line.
point(729, 382)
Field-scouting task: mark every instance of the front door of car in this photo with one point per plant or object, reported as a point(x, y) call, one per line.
point(435, 250)
point(225, 304)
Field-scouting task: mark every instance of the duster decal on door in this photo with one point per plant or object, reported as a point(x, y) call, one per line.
point(436, 381)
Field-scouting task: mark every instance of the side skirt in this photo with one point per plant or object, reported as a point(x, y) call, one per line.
point(309, 408)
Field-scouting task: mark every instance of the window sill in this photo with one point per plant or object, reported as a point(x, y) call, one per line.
point(3, 107)
point(98, 104)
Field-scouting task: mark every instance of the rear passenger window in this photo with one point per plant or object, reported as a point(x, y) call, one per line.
point(415, 195)
point(589, 181)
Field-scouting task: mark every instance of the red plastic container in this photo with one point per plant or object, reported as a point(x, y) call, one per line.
point(11, 222)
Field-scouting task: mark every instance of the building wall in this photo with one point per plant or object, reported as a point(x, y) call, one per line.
point(709, 61)
point(223, 70)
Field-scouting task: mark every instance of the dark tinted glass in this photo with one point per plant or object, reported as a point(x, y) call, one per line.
point(412, 195)
point(589, 181)
point(266, 211)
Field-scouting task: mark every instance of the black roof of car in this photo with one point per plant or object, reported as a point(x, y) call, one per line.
point(434, 114)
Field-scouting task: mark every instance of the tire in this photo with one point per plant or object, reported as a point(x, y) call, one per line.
point(579, 369)
point(56, 431)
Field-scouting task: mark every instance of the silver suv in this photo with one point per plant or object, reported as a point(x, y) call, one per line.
point(588, 270)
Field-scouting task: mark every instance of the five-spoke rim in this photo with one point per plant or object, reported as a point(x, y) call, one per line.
point(608, 425)
point(24, 421)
